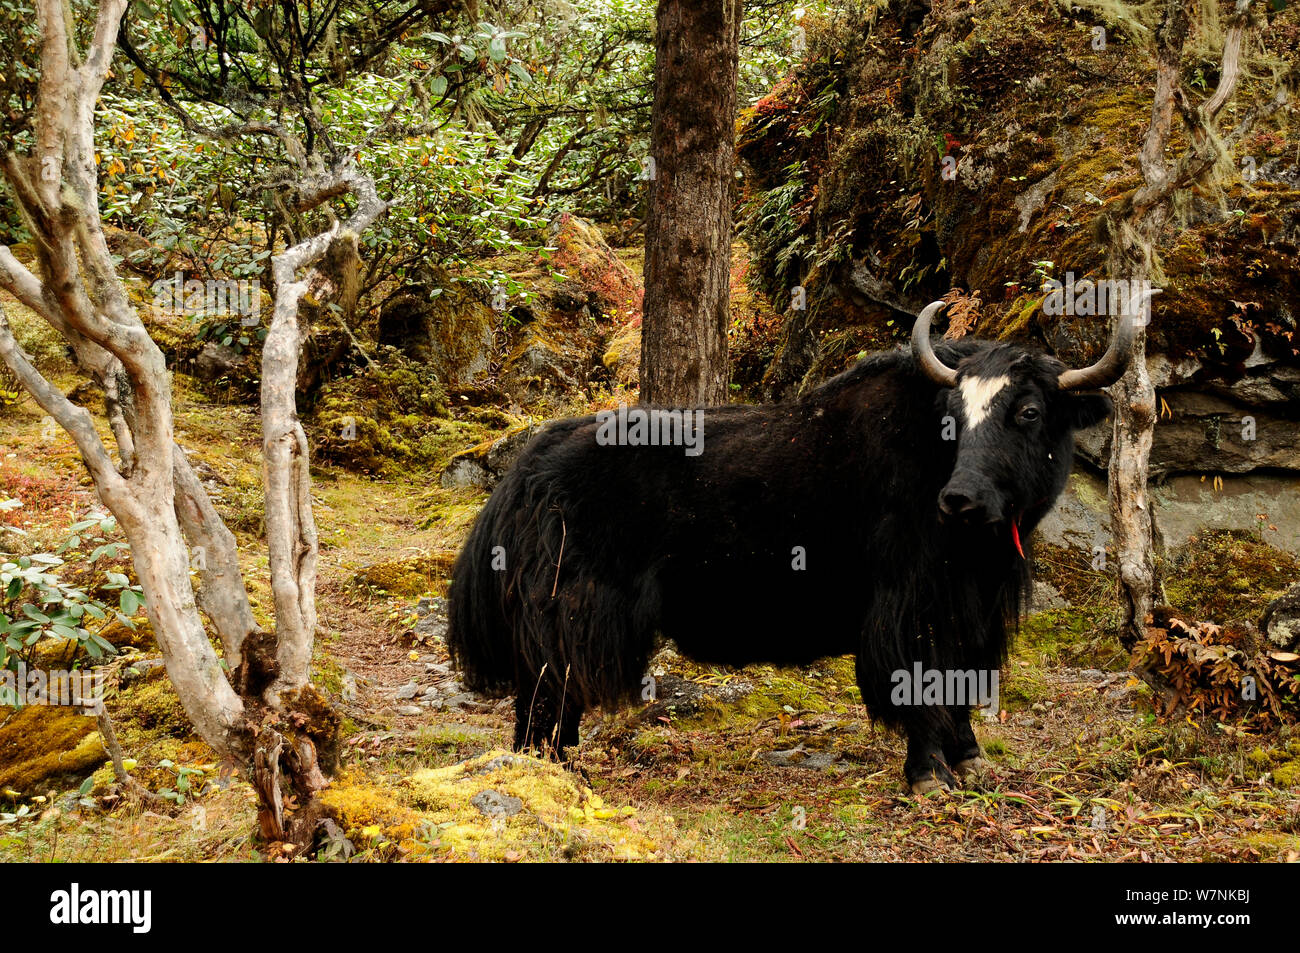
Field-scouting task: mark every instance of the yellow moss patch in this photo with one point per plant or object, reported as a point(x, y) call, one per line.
point(371, 815)
point(1273, 845)
point(427, 572)
point(451, 513)
point(622, 357)
point(1287, 775)
point(559, 817)
point(153, 706)
point(38, 743)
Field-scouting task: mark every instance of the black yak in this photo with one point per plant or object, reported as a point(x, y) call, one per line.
point(882, 514)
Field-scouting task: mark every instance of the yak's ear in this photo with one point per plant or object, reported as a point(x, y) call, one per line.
point(1084, 410)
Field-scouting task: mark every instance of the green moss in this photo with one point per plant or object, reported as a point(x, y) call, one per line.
point(154, 706)
point(1287, 775)
point(780, 694)
point(1258, 757)
point(392, 416)
point(1023, 688)
point(42, 746)
point(1273, 845)
point(415, 576)
point(1226, 575)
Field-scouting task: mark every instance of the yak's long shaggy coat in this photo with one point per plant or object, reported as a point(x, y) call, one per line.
point(586, 554)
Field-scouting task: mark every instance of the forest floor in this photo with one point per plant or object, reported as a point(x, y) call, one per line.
point(752, 764)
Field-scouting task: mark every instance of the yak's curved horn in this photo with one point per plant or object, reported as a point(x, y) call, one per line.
point(935, 369)
point(1113, 363)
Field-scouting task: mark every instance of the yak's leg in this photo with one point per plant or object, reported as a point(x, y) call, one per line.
point(926, 768)
point(544, 721)
point(960, 749)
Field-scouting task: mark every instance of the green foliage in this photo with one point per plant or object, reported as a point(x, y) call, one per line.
point(185, 777)
point(39, 604)
point(775, 230)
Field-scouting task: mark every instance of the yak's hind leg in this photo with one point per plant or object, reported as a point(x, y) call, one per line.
point(546, 720)
point(960, 749)
point(590, 648)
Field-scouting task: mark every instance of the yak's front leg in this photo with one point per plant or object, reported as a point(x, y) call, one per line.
point(926, 767)
point(960, 749)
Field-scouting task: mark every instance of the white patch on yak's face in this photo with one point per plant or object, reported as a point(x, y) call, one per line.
point(978, 394)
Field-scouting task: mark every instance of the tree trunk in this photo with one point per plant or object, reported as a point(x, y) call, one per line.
point(1131, 517)
point(261, 712)
point(688, 225)
point(1131, 256)
point(1133, 240)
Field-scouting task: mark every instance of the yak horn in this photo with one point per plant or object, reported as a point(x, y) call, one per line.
point(1112, 365)
point(935, 369)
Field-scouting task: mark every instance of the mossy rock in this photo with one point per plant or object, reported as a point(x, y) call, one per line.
point(622, 357)
point(371, 815)
point(151, 706)
point(482, 465)
point(442, 324)
point(432, 814)
point(845, 158)
point(1227, 575)
point(394, 418)
point(44, 747)
point(574, 819)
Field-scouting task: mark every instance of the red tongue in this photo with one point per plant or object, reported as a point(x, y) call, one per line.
point(1015, 538)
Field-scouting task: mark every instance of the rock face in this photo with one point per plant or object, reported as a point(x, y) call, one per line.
point(1280, 622)
point(216, 361)
point(452, 331)
point(950, 155)
point(1184, 507)
point(495, 804)
point(484, 465)
point(544, 362)
point(1217, 426)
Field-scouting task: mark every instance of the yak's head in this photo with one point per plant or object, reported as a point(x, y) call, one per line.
point(1015, 413)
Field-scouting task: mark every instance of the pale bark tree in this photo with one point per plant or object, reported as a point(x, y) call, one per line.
point(1133, 236)
point(688, 224)
point(254, 705)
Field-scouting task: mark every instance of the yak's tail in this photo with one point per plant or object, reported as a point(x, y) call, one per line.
point(515, 586)
point(478, 633)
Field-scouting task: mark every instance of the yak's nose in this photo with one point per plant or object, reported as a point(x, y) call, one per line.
point(957, 503)
point(966, 504)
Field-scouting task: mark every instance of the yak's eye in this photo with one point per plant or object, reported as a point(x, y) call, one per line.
point(1027, 415)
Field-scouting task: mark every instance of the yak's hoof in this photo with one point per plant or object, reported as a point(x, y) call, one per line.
point(975, 767)
point(930, 785)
